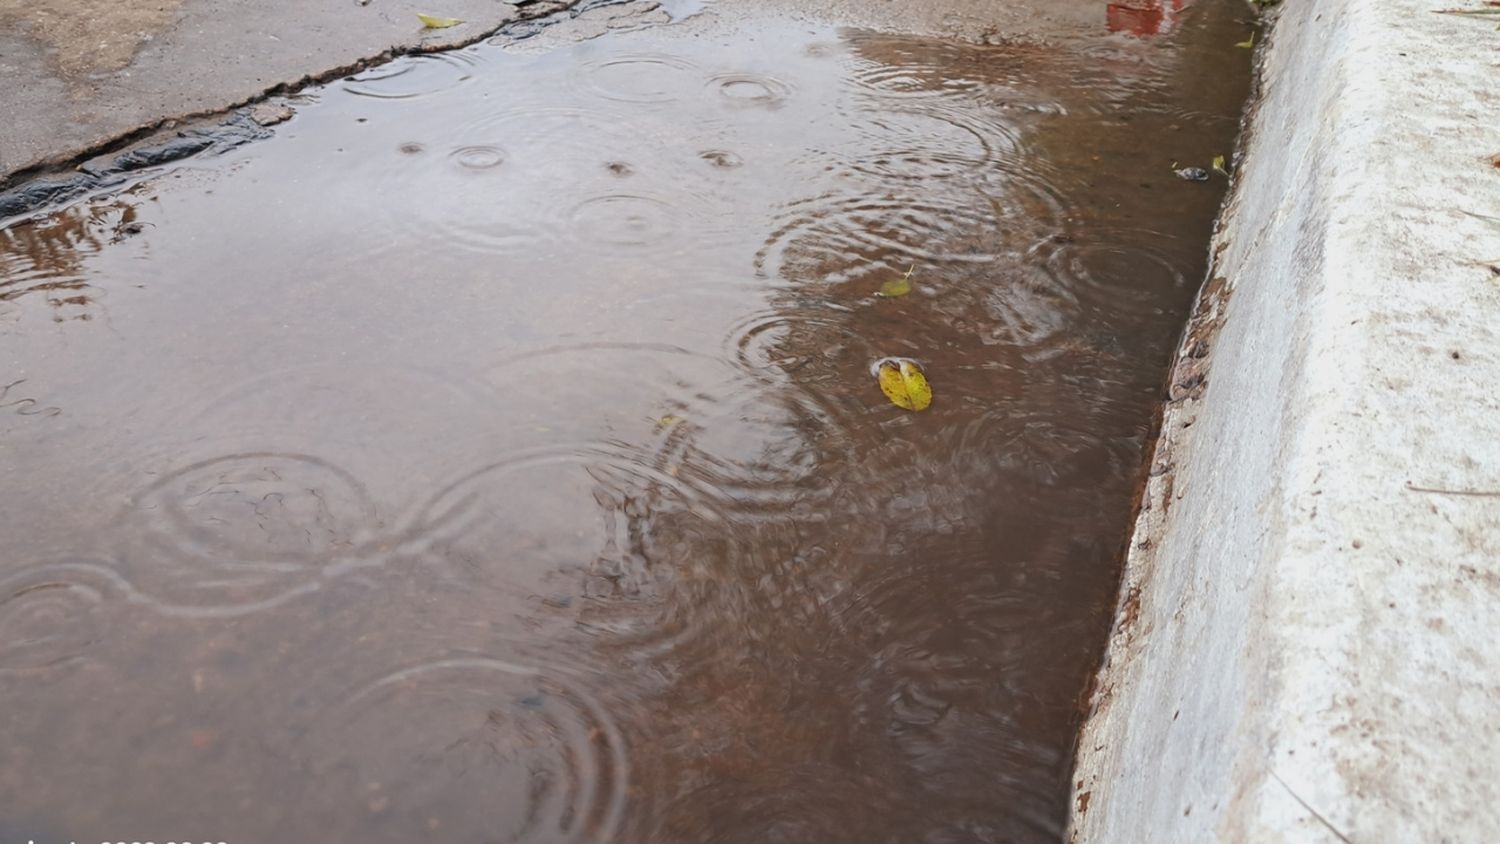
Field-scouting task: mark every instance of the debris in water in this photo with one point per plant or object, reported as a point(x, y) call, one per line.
point(437, 23)
point(902, 381)
point(1218, 165)
point(164, 153)
point(897, 286)
point(1192, 174)
point(1247, 43)
point(34, 195)
point(130, 229)
point(269, 114)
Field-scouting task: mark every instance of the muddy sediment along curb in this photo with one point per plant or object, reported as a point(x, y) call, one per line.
point(1303, 647)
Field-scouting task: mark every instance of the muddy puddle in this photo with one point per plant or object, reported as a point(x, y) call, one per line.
point(493, 454)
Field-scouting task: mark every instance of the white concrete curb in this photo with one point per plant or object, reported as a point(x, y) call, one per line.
point(1306, 648)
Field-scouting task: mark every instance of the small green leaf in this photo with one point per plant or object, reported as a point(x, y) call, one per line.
point(1248, 42)
point(437, 23)
point(1219, 164)
point(897, 286)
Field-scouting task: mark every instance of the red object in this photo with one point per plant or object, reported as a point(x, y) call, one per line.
point(1144, 18)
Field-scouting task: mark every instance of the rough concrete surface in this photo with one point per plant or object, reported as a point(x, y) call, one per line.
point(1305, 650)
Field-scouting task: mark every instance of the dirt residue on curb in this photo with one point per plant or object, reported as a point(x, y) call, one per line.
point(90, 36)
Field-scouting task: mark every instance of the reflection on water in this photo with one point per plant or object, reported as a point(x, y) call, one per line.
point(45, 261)
point(493, 455)
point(1146, 18)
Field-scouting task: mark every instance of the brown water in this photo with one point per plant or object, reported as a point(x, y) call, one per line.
point(493, 454)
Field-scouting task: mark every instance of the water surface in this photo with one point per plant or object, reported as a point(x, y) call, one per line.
point(492, 455)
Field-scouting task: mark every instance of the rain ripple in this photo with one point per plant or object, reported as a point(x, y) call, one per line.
point(553, 177)
point(831, 237)
point(414, 76)
point(722, 428)
point(1116, 272)
point(635, 527)
point(49, 616)
point(623, 219)
point(478, 157)
point(584, 509)
point(930, 142)
point(891, 68)
point(640, 78)
point(487, 749)
point(750, 90)
point(245, 532)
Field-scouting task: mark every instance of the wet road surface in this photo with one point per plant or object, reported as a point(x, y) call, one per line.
point(493, 454)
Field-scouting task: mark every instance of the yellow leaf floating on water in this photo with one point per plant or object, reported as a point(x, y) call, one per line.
point(1247, 43)
point(1219, 164)
point(897, 286)
point(437, 23)
point(904, 384)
